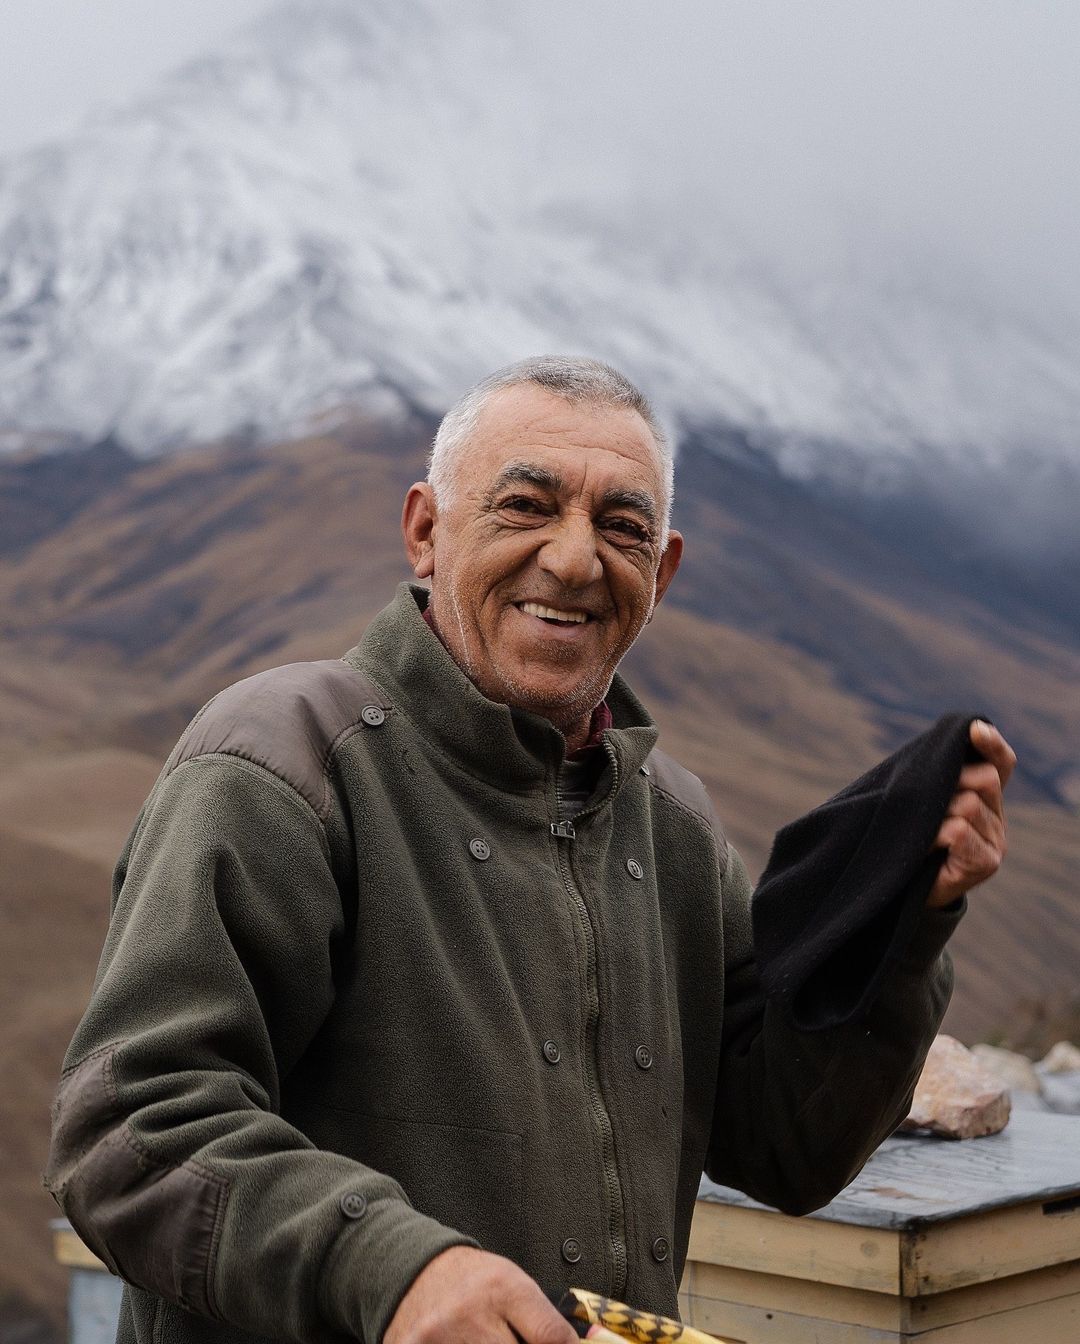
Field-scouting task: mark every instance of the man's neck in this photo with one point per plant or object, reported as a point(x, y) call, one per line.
point(581, 733)
point(577, 735)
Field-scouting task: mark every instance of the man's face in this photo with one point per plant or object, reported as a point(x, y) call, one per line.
point(546, 563)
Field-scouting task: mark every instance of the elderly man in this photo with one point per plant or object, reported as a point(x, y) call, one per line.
point(430, 987)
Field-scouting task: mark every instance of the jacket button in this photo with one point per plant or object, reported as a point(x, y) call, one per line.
point(571, 1251)
point(552, 1053)
point(480, 849)
point(372, 715)
point(635, 869)
point(645, 770)
point(643, 1057)
point(660, 1249)
point(353, 1205)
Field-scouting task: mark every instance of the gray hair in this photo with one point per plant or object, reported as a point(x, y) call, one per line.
point(577, 380)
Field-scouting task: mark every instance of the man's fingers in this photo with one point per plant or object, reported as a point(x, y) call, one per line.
point(968, 851)
point(973, 832)
point(537, 1321)
point(984, 780)
point(989, 743)
point(969, 859)
point(989, 824)
point(468, 1296)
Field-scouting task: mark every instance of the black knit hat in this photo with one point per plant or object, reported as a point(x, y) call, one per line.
point(845, 885)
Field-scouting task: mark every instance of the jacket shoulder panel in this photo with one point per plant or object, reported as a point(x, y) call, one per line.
point(668, 777)
point(288, 720)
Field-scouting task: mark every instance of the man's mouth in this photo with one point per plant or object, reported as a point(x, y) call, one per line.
point(553, 615)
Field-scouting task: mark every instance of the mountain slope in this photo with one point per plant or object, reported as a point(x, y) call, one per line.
point(375, 205)
point(796, 647)
point(779, 669)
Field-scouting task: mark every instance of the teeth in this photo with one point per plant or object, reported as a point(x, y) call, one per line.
point(551, 614)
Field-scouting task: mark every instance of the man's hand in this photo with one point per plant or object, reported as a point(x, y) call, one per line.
point(973, 832)
point(466, 1296)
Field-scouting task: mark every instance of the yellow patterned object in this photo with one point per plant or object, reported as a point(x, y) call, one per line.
point(639, 1327)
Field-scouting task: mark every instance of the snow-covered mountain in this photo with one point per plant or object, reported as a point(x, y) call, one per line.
point(371, 205)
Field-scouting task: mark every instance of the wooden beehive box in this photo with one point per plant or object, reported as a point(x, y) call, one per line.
point(93, 1293)
point(976, 1242)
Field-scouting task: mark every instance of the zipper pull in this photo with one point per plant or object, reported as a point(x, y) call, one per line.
point(563, 830)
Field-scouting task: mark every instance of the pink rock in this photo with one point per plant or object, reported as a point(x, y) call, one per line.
point(1016, 1071)
point(957, 1096)
point(1063, 1058)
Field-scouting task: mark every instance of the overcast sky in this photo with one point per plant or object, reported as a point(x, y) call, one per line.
point(943, 120)
point(955, 120)
point(61, 58)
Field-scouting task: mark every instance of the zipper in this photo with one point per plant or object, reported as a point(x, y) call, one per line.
point(564, 830)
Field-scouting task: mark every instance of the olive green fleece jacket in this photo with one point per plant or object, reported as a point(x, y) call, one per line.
point(358, 1003)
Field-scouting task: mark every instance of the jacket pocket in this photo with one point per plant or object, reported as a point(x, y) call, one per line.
point(468, 1179)
point(174, 1325)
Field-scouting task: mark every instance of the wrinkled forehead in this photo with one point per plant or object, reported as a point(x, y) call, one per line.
point(527, 426)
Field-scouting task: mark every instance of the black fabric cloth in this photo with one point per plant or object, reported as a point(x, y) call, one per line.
point(846, 884)
point(578, 780)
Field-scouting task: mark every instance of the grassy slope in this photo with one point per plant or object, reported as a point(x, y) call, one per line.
point(64, 820)
point(796, 657)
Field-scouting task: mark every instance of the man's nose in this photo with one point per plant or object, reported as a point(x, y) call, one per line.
point(569, 553)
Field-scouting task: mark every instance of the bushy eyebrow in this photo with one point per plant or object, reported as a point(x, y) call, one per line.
point(528, 473)
point(637, 500)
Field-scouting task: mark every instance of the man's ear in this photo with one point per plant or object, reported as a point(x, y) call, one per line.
point(669, 563)
point(419, 520)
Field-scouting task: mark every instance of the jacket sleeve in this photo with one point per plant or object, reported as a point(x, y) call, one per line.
point(799, 1112)
point(169, 1154)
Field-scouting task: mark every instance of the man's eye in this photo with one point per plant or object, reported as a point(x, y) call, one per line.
point(626, 531)
point(522, 504)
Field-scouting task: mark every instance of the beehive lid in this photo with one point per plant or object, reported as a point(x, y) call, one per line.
point(912, 1180)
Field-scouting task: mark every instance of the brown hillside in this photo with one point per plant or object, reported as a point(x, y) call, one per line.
point(53, 910)
point(799, 651)
point(64, 820)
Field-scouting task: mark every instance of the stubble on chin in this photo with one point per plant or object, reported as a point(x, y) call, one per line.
point(569, 712)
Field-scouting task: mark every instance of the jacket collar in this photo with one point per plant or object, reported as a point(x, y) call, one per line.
point(510, 749)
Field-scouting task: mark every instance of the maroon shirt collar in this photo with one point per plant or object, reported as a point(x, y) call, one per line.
point(601, 722)
point(601, 715)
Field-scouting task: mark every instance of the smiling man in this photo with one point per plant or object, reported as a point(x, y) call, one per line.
point(430, 987)
point(552, 538)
